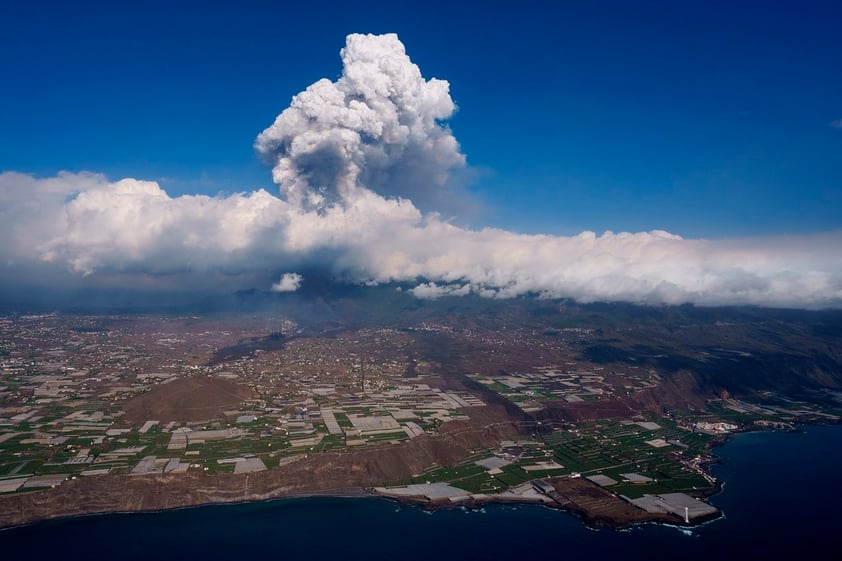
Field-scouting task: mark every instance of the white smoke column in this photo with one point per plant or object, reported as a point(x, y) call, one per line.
point(377, 126)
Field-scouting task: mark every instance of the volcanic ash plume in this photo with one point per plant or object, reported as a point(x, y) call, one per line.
point(378, 127)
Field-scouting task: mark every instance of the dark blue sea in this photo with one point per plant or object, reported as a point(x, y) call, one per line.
point(782, 500)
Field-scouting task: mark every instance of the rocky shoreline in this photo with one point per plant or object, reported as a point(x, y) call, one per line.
point(127, 494)
point(336, 475)
point(595, 506)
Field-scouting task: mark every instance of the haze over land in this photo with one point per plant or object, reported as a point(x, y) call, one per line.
point(369, 175)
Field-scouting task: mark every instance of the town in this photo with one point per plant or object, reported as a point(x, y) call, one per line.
point(139, 396)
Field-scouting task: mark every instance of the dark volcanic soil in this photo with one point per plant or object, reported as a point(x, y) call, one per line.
point(243, 349)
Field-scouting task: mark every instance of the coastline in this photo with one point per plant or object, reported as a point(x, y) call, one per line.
point(82, 511)
point(34, 507)
point(472, 503)
point(618, 516)
point(126, 494)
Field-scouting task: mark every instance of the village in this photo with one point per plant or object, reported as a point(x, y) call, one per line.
point(86, 396)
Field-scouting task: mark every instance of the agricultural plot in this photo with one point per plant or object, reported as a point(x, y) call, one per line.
point(613, 449)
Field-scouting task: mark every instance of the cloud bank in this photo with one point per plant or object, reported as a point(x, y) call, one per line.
point(357, 161)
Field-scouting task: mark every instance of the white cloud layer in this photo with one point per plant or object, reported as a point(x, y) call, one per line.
point(351, 157)
point(290, 282)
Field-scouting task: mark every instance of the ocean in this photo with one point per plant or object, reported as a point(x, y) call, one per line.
point(781, 500)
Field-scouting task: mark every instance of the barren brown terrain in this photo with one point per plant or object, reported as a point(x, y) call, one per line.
point(197, 398)
point(599, 507)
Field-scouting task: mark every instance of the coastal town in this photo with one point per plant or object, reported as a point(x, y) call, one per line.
point(158, 398)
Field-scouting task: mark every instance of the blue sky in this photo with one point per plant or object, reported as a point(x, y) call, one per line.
point(707, 119)
point(700, 141)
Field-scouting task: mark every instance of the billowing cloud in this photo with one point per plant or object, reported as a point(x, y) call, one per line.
point(351, 158)
point(432, 291)
point(290, 282)
point(90, 224)
point(378, 126)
